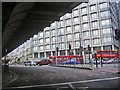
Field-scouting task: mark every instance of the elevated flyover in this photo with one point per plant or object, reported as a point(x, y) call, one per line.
point(21, 20)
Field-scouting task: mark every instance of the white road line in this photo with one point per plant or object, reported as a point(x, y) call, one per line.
point(85, 81)
point(72, 86)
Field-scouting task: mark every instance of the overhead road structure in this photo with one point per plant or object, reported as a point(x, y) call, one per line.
point(22, 20)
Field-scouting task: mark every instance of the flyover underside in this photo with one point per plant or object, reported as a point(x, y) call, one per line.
point(23, 20)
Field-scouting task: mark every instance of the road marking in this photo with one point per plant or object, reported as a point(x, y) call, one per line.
point(72, 86)
point(85, 81)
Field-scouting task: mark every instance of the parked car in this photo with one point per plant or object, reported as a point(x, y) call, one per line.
point(30, 63)
point(44, 62)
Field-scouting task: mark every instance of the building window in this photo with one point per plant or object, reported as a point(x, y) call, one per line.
point(76, 36)
point(62, 46)
point(95, 32)
point(94, 16)
point(92, 8)
point(96, 41)
point(41, 41)
point(53, 32)
point(75, 20)
point(77, 43)
point(85, 26)
point(107, 47)
point(77, 28)
point(103, 5)
point(69, 37)
point(106, 31)
point(107, 40)
point(41, 48)
point(35, 48)
point(35, 55)
point(86, 34)
point(84, 10)
point(61, 23)
point(68, 22)
point(105, 22)
point(96, 48)
point(61, 38)
point(86, 42)
point(35, 42)
point(61, 31)
point(47, 47)
point(47, 33)
point(104, 14)
point(47, 40)
point(68, 15)
point(85, 18)
point(75, 12)
point(53, 39)
point(69, 30)
point(94, 24)
point(53, 46)
point(41, 34)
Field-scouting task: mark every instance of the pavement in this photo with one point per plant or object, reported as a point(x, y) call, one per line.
point(112, 68)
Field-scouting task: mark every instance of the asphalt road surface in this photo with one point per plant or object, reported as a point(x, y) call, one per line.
point(59, 78)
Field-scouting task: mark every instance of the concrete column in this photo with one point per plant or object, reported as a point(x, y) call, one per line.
point(113, 48)
point(38, 55)
point(51, 53)
point(74, 52)
point(45, 54)
point(66, 52)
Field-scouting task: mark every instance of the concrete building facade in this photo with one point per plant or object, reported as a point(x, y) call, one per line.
point(91, 24)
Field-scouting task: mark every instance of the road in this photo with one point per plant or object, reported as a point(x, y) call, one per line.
point(35, 77)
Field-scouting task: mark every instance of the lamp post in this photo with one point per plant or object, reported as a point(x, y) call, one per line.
point(80, 49)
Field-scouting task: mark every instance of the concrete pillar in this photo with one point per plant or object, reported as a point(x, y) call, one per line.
point(38, 55)
point(51, 53)
point(113, 48)
point(66, 52)
point(44, 54)
point(74, 52)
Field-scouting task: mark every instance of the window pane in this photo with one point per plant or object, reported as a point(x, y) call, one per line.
point(85, 26)
point(93, 8)
point(93, 16)
point(86, 34)
point(96, 41)
point(103, 5)
point(107, 40)
point(76, 20)
point(86, 42)
point(69, 29)
point(83, 10)
point(85, 18)
point(68, 22)
point(105, 22)
point(75, 13)
point(94, 24)
point(77, 36)
point(76, 28)
point(106, 31)
point(104, 14)
point(95, 32)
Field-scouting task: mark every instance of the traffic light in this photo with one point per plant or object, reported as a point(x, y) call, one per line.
point(57, 49)
point(89, 48)
point(69, 46)
point(117, 34)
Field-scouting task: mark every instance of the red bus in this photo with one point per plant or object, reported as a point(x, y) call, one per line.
point(61, 59)
point(106, 54)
